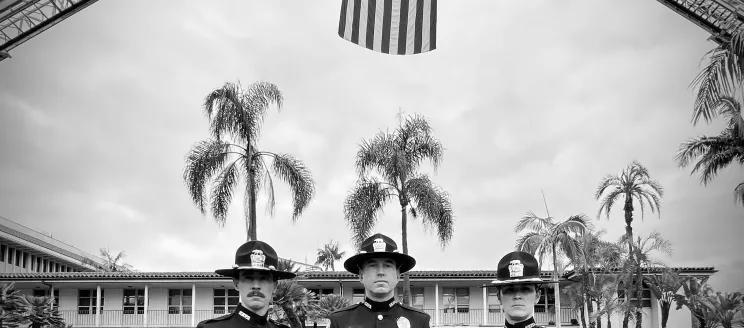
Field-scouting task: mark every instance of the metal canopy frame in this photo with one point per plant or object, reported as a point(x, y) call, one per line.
point(21, 20)
point(718, 17)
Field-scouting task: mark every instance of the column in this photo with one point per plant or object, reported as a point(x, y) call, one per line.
point(485, 305)
point(147, 303)
point(193, 305)
point(436, 304)
point(98, 305)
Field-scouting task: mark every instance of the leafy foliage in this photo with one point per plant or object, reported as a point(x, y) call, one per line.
point(329, 254)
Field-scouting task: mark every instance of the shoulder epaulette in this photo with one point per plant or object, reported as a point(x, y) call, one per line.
point(351, 307)
point(412, 308)
point(220, 318)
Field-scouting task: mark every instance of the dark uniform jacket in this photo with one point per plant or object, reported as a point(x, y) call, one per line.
point(529, 323)
point(240, 318)
point(390, 314)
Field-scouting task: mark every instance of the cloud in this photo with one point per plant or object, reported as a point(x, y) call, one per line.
point(525, 97)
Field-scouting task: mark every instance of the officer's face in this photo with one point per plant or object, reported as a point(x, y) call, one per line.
point(519, 301)
point(256, 289)
point(379, 277)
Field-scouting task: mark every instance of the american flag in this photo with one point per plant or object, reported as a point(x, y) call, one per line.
point(402, 27)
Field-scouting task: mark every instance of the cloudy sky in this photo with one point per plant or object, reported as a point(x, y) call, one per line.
point(99, 112)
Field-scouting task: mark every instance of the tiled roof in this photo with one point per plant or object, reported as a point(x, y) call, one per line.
point(311, 275)
point(708, 270)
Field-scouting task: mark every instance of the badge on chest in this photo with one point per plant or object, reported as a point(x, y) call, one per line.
point(403, 322)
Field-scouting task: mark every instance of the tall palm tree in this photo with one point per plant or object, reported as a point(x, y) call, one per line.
point(396, 157)
point(237, 114)
point(547, 237)
point(632, 183)
point(328, 255)
point(717, 152)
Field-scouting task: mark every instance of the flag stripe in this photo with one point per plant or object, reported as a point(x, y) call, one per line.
point(411, 30)
point(403, 21)
point(342, 20)
point(426, 23)
point(355, 22)
point(379, 14)
point(433, 26)
point(386, 24)
point(349, 19)
point(371, 19)
point(362, 41)
point(419, 26)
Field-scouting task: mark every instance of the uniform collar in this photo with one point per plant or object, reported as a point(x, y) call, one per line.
point(251, 317)
point(379, 306)
point(529, 323)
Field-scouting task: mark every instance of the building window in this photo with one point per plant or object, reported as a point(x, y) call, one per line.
point(417, 296)
point(456, 300)
point(134, 301)
point(494, 304)
point(3, 248)
point(357, 295)
point(87, 301)
point(38, 265)
point(179, 301)
point(646, 295)
point(24, 258)
point(225, 300)
point(11, 255)
point(319, 293)
point(45, 292)
point(18, 256)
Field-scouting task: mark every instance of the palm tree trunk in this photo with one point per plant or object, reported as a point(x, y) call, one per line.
point(598, 322)
point(628, 208)
point(609, 322)
point(406, 279)
point(587, 299)
point(639, 295)
point(556, 291)
point(251, 220)
point(665, 306)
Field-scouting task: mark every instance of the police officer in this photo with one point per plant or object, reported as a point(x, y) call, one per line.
point(379, 266)
point(518, 283)
point(255, 277)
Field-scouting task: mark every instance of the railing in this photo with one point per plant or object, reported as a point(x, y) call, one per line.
point(120, 318)
point(163, 318)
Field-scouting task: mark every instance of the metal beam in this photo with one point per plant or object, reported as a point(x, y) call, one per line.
point(23, 19)
point(717, 17)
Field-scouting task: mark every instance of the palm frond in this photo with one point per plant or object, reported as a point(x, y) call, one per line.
point(294, 172)
point(739, 194)
point(378, 153)
point(718, 78)
point(530, 242)
point(433, 205)
point(202, 162)
point(363, 205)
point(239, 113)
point(533, 222)
point(222, 191)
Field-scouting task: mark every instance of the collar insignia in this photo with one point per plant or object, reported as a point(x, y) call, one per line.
point(244, 315)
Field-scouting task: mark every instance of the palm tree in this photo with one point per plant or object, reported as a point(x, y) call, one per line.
point(724, 307)
point(396, 157)
point(10, 306)
point(550, 237)
point(694, 290)
point(41, 312)
point(111, 263)
point(327, 305)
point(238, 114)
point(717, 152)
point(664, 286)
point(329, 254)
point(633, 183)
point(721, 78)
